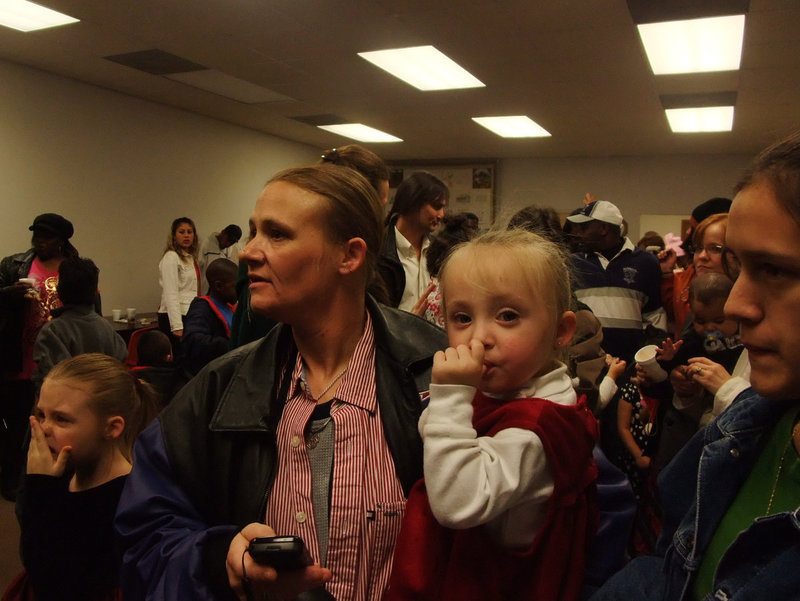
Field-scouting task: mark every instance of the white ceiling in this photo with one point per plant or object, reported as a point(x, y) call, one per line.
point(577, 67)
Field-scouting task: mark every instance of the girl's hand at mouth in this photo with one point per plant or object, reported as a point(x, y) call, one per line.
point(41, 459)
point(461, 365)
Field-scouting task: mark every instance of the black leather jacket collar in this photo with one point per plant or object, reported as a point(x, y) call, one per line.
point(390, 268)
point(225, 461)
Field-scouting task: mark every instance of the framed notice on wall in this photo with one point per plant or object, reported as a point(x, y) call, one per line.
point(471, 186)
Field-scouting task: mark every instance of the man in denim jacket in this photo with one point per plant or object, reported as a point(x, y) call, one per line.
point(731, 497)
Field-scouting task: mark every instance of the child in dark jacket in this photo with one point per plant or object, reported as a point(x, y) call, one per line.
point(714, 338)
point(76, 328)
point(155, 366)
point(207, 330)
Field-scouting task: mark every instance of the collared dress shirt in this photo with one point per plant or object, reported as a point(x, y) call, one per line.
point(415, 269)
point(366, 497)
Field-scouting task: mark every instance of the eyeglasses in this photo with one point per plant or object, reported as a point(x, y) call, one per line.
point(730, 263)
point(711, 249)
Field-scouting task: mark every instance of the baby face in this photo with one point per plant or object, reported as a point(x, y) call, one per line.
point(488, 299)
point(711, 317)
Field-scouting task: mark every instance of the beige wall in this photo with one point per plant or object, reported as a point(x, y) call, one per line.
point(640, 186)
point(121, 169)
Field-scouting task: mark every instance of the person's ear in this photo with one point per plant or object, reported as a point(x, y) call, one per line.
point(355, 254)
point(115, 426)
point(565, 329)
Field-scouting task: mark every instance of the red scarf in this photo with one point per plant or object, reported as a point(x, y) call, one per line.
point(219, 314)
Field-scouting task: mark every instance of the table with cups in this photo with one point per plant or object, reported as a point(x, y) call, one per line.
point(126, 321)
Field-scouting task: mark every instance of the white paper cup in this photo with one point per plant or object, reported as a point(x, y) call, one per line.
point(646, 357)
point(31, 290)
point(116, 314)
point(131, 313)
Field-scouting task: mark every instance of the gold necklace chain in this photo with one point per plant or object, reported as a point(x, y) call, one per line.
point(795, 432)
point(328, 387)
point(312, 437)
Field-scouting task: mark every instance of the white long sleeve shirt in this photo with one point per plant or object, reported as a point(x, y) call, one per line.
point(502, 481)
point(739, 381)
point(178, 280)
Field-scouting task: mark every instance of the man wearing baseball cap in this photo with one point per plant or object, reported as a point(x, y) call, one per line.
point(619, 282)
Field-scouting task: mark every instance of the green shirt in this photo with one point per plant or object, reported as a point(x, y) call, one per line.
point(773, 482)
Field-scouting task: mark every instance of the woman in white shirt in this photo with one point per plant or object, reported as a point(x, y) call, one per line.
point(179, 276)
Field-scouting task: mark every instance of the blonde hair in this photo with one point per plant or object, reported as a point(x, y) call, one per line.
point(543, 264)
point(113, 391)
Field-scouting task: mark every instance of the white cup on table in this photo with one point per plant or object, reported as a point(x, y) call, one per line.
point(116, 314)
point(131, 313)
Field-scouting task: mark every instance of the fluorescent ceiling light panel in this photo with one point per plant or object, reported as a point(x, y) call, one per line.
point(228, 86)
point(362, 133)
point(694, 46)
point(704, 119)
point(424, 67)
point(27, 16)
point(513, 127)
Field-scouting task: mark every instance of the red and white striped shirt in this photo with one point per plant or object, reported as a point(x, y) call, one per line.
point(367, 501)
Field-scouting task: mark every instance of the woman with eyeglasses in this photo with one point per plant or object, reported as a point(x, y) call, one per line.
point(708, 240)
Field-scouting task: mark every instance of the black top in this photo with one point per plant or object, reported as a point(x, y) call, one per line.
point(724, 350)
point(68, 538)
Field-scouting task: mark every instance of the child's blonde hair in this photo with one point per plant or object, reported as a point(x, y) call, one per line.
point(543, 264)
point(114, 391)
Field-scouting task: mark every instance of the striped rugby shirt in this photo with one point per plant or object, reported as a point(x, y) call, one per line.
point(623, 293)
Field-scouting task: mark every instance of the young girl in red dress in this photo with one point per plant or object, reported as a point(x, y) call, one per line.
point(506, 508)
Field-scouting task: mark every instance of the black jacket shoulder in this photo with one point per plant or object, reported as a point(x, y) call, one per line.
point(389, 267)
point(220, 429)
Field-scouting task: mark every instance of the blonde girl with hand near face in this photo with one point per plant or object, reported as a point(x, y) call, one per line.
point(506, 508)
point(89, 411)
